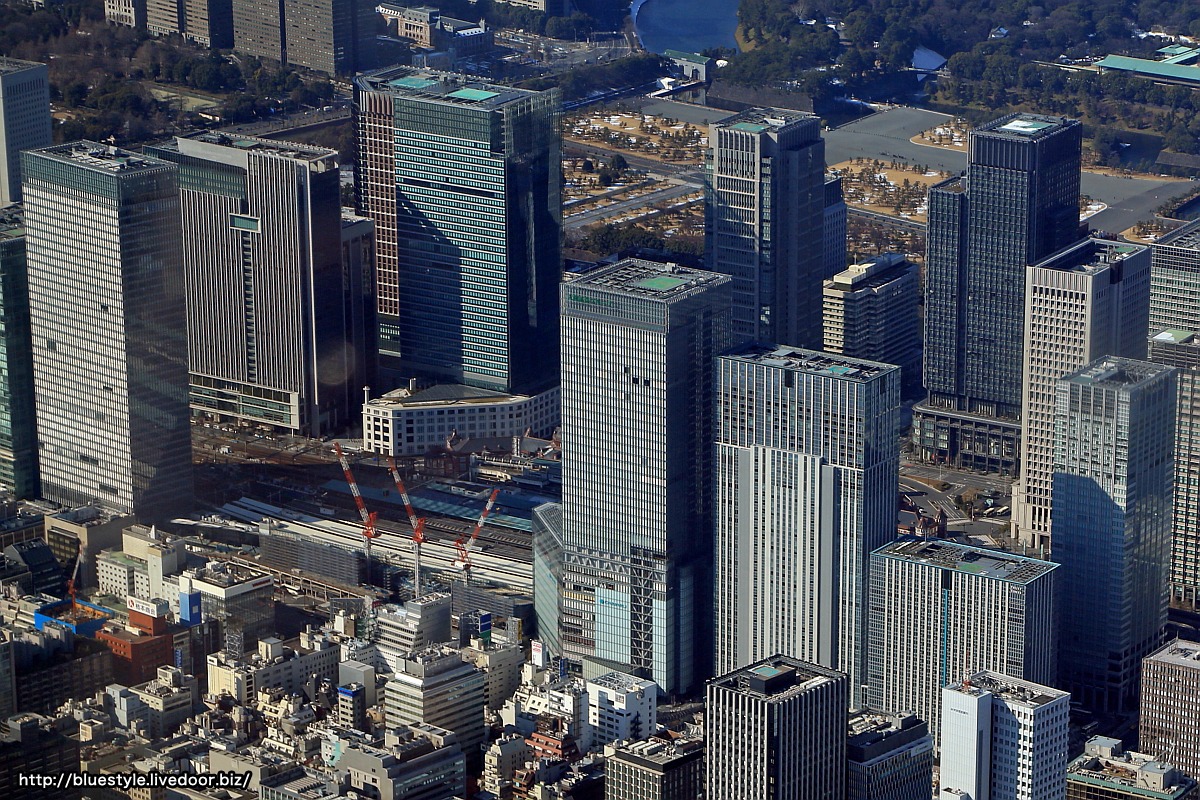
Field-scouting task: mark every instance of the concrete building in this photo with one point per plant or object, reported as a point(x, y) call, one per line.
point(1181, 349)
point(435, 686)
point(655, 770)
point(103, 238)
point(243, 604)
point(1111, 511)
point(275, 665)
point(33, 745)
point(24, 120)
point(639, 341)
point(806, 470)
point(1106, 772)
point(889, 757)
point(1018, 203)
point(1087, 301)
point(407, 423)
point(82, 534)
point(871, 311)
point(415, 625)
point(270, 339)
point(503, 758)
point(621, 708)
point(18, 422)
point(941, 610)
point(208, 23)
point(548, 695)
point(336, 38)
point(776, 730)
point(834, 229)
point(467, 232)
point(423, 762)
point(169, 700)
point(501, 668)
point(1175, 280)
point(764, 210)
point(1003, 738)
point(1168, 727)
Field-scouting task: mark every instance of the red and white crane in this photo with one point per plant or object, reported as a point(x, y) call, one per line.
point(418, 525)
point(463, 544)
point(368, 518)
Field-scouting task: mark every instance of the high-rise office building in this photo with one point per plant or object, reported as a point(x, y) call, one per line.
point(764, 217)
point(1018, 203)
point(1168, 727)
point(639, 345)
point(888, 757)
point(103, 240)
point(776, 730)
point(1111, 503)
point(24, 119)
point(870, 310)
point(655, 770)
point(941, 610)
point(834, 230)
point(18, 421)
point(435, 686)
point(1087, 301)
point(806, 465)
point(1175, 280)
point(271, 333)
point(1003, 739)
point(336, 37)
point(463, 180)
point(1181, 349)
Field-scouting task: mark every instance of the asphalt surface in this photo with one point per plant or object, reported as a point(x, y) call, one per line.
point(623, 207)
point(885, 136)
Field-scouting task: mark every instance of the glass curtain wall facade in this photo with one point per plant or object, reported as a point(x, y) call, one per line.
point(463, 180)
point(18, 421)
point(806, 469)
point(639, 345)
point(108, 316)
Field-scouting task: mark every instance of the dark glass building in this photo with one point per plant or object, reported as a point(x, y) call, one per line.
point(463, 180)
point(1017, 204)
point(18, 421)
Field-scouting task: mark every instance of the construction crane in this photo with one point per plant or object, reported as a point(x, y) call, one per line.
point(72, 582)
point(418, 525)
point(370, 532)
point(463, 544)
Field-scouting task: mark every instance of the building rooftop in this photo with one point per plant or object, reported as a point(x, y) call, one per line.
point(757, 120)
point(650, 279)
point(1154, 69)
point(812, 362)
point(102, 157)
point(683, 55)
point(1115, 372)
point(622, 682)
point(1172, 336)
point(872, 274)
point(1186, 236)
point(1090, 256)
point(12, 222)
point(1104, 764)
point(777, 678)
point(8, 66)
point(254, 144)
point(443, 394)
point(871, 733)
point(1025, 126)
point(1179, 653)
point(981, 561)
point(1012, 690)
point(656, 753)
point(441, 87)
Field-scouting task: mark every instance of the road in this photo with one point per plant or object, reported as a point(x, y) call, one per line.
point(685, 172)
point(622, 207)
point(931, 500)
point(885, 136)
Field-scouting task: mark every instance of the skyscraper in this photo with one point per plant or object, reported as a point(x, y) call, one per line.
point(1003, 739)
point(1018, 203)
point(336, 37)
point(1170, 686)
point(765, 222)
point(1181, 349)
point(639, 344)
point(806, 468)
point(1175, 280)
point(889, 757)
point(271, 332)
point(463, 180)
point(1087, 301)
point(24, 120)
point(18, 421)
point(941, 610)
point(870, 310)
point(834, 231)
point(776, 730)
point(109, 325)
point(1114, 429)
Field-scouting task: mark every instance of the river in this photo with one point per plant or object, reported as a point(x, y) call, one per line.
point(688, 25)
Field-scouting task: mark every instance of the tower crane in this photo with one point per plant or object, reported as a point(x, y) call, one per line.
point(463, 544)
point(418, 525)
point(370, 532)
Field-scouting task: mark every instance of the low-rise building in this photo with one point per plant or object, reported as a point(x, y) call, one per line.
point(423, 761)
point(1106, 772)
point(655, 770)
point(275, 665)
point(501, 667)
point(169, 699)
point(621, 707)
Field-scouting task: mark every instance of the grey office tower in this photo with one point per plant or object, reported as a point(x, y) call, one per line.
point(1018, 203)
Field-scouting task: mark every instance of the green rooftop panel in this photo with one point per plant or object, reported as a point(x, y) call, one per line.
point(748, 127)
point(661, 284)
point(413, 82)
point(473, 95)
